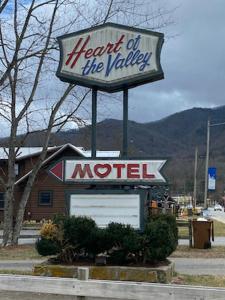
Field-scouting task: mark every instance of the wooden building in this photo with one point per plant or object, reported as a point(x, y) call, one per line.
point(48, 196)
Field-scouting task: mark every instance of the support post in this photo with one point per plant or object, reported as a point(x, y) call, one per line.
point(82, 274)
point(195, 178)
point(207, 164)
point(190, 233)
point(125, 122)
point(94, 121)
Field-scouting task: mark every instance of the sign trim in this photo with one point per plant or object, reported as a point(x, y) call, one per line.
point(112, 182)
point(118, 85)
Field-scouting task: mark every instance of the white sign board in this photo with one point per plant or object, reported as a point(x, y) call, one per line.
point(109, 55)
point(107, 208)
point(142, 171)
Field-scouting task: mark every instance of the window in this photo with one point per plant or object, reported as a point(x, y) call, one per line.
point(2, 201)
point(45, 198)
point(16, 169)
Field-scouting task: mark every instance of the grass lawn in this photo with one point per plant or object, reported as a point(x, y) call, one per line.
point(186, 252)
point(200, 280)
point(219, 228)
point(21, 252)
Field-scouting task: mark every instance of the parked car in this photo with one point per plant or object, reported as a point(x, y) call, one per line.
point(218, 207)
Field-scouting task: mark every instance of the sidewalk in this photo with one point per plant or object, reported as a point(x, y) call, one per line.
point(20, 265)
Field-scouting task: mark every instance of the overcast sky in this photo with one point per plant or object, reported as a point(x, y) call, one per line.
point(193, 64)
point(193, 61)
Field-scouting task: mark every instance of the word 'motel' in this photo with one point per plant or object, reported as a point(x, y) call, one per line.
point(133, 171)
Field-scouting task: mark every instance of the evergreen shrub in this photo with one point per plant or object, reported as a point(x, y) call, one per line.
point(159, 240)
point(79, 237)
point(47, 247)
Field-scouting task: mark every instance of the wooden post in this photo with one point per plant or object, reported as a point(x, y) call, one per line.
point(82, 274)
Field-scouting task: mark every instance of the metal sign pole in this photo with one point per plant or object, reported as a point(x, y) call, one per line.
point(94, 121)
point(125, 122)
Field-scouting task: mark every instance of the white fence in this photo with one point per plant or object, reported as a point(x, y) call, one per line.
point(101, 290)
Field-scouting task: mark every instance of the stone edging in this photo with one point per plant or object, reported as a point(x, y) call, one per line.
point(138, 274)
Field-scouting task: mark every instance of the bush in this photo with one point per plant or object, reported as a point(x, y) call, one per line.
point(49, 231)
point(72, 238)
point(170, 220)
point(79, 232)
point(124, 241)
point(159, 240)
point(98, 242)
point(47, 247)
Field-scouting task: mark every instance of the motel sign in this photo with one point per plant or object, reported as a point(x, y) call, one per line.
point(110, 57)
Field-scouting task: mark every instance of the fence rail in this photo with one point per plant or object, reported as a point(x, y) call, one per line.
point(113, 290)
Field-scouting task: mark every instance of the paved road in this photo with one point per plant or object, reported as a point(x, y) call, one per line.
point(20, 265)
point(194, 266)
point(199, 266)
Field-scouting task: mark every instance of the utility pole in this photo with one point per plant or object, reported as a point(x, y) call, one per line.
point(195, 178)
point(207, 159)
point(207, 164)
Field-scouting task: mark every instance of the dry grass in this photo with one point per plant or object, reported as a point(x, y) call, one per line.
point(200, 280)
point(21, 252)
point(219, 228)
point(186, 252)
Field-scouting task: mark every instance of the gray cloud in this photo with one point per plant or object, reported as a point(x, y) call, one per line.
point(193, 63)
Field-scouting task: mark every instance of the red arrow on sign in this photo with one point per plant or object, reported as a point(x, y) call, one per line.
point(57, 170)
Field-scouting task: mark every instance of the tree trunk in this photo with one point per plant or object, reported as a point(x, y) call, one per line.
point(20, 213)
point(8, 218)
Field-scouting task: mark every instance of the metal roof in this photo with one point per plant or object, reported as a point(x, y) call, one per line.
point(25, 152)
point(79, 150)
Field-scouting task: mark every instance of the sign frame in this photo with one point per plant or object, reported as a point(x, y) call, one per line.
point(104, 181)
point(124, 83)
point(143, 199)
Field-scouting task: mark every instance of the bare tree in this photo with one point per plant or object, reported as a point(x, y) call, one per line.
point(28, 59)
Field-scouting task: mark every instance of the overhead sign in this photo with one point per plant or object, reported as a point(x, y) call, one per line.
point(211, 179)
point(111, 171)
point(110, 57)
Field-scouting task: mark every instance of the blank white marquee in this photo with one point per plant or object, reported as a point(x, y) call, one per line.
point(106, 208)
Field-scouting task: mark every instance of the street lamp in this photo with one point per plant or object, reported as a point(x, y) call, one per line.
point(207, 159)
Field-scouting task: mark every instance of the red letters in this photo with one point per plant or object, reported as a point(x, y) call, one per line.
point(112, 171)
point(145, 172)
point(119, 169)
point(117, 44)
point(82, 172)
point(132, 170)
point(88, 53)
